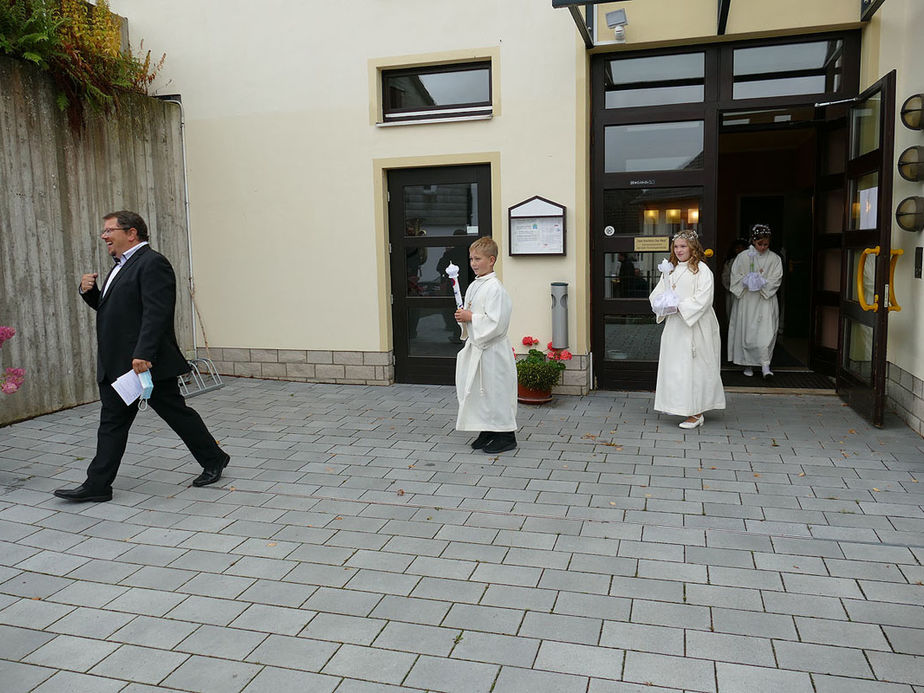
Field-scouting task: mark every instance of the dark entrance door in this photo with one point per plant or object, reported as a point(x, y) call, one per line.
point(866, 255)
point(434, 214)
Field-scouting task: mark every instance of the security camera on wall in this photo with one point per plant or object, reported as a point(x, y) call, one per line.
point(617, 21)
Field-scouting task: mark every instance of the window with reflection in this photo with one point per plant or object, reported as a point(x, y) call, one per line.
point(653, 147)
point(864, 200)
point(858, 349)
point(654, 81)
point(632, 337)
point(867, 280)
point(652, 211)
point(769, 116)
point(630, 275)
point(447, 209)
point(865, 126)
point(786, 70)
point(437, 91)
point(433, 332)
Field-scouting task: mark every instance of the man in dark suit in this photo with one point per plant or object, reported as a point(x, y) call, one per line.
point(134, 328)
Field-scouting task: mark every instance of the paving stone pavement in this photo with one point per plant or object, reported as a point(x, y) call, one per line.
point(356, 544)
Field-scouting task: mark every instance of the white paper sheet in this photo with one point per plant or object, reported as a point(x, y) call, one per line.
point(128, 386)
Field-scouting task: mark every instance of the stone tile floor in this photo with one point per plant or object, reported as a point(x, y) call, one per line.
point(357, 544)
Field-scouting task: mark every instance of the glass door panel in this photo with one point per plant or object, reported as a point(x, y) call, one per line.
point(830, 267)
point(654, 147)
point(630, 275)
point(865, 126)
point(652, 211)
point(632, 337)
point(864, 197)
point(867, 277)
point(827, 327)
point(861, 372)
point(858, 350)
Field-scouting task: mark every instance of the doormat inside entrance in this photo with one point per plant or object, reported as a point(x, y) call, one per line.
point(791, 380)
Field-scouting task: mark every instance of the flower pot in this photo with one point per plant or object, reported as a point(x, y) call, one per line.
point(526, 395)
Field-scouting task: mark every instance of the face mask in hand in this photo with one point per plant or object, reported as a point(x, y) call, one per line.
point(147, 387)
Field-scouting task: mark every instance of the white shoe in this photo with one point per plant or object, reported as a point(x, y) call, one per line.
point(766, 372)
point(693, 424)
point(749, 371)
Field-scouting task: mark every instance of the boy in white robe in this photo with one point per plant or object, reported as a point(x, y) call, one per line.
point(486, 374)
point(756, 276)
point(689, 379)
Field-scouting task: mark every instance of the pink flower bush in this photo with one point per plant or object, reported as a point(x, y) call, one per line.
point(12, 378)
point(6, 333)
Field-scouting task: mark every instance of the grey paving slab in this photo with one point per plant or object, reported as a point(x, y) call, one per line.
point(142, 664)
point(519, 680)
point(370, 664)
point(70, 682)
point(452, 676)
point(23, 677)
point(496, 649)
point(677, 672)
point(740, 678)
point(609, 554)
point(206, 674)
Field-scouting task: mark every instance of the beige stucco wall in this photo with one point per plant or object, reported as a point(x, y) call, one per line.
point(892, 42)
point(286, 170)
point(287, 166)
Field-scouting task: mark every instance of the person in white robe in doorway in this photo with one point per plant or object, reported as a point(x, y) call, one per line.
point(689, 380)
point(756, 276)
point(486, 374)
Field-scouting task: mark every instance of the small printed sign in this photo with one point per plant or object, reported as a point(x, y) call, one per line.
point(652, 244)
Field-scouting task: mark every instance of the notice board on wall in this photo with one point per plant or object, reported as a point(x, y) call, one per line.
point(536, 227)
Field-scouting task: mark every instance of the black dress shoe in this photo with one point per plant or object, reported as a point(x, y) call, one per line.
point(501, 442)
point(483, 439)
point(82, 494)
point(212, 474)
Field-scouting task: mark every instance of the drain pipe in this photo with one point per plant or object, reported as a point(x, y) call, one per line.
point(177, 99)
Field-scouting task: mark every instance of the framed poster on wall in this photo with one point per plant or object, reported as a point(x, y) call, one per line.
point(536, 227)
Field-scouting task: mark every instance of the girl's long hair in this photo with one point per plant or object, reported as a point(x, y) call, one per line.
point(696, 254)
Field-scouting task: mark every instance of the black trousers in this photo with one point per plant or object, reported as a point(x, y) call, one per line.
point(116, 419)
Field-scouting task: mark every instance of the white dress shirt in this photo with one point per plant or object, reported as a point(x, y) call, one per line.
point(120, 263)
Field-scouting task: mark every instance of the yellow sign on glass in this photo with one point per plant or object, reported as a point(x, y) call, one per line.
point(652, 244)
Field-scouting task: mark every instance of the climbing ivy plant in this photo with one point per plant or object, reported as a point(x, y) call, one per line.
point(80, 45)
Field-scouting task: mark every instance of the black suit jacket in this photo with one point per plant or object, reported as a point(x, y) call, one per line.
point(134, 320)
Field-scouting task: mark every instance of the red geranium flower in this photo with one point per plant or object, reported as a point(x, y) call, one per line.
point(565, 355)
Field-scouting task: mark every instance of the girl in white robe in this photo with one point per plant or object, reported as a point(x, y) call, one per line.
point(756, 276)
point(486, 374)
point(689, 380)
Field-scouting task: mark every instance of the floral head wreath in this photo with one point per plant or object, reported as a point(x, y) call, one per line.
point(686, 234)
point(759, 231)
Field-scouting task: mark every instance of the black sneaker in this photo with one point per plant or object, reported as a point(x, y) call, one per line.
point(483, 439)
point(501, 442)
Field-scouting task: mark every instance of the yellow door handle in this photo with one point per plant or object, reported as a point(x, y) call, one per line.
point(893, 304)
point(861, 266)
point(708, 252)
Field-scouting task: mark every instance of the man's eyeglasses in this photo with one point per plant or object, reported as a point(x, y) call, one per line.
point(115, 228)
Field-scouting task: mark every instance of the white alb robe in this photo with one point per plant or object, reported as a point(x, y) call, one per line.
point(486, 373)
point(689, 381)
point(755, 316)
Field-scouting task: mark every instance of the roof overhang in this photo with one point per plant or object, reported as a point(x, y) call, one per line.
point(585, 21)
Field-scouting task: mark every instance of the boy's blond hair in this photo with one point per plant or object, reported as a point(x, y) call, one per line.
point(486, 245)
